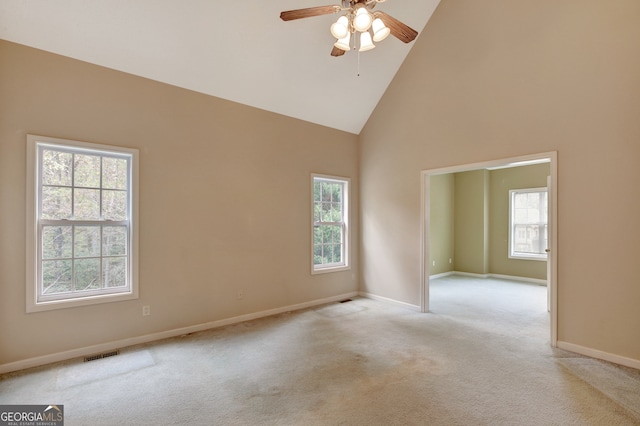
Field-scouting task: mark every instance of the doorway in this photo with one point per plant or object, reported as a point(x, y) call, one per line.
point(426, 231)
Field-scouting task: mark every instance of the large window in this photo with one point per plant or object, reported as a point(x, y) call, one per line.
point(528, 230)
point(81, 236)
point(330, 223)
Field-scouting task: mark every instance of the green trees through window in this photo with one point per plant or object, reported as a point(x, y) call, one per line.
point(83, 224)
point(329, 222)
point(84, 199)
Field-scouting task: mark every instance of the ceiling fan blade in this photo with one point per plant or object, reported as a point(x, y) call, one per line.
point(337, 52)
point(401, 31)
point(290, 15)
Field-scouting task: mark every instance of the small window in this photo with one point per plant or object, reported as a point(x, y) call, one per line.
point(330, 207)
point(81, 234)
point(528, 229)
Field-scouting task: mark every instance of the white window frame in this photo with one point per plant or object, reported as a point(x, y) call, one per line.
point(512, 224)
point(35, 302)
point(346, 255)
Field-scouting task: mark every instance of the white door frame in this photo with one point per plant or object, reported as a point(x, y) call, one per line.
point(425, 219)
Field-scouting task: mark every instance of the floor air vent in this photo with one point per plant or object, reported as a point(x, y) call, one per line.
point(100, 356)
point(345, 300)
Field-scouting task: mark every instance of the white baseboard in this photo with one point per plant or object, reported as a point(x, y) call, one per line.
point(443, 274)
point(498, 276)
point(523, 279)
point(470, 274)
point(117, 344)
point(388, 300)
point(594, 353)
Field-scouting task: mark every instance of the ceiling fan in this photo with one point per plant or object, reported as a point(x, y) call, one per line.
point(359, 17)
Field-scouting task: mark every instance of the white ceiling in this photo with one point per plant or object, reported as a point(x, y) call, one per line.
point(235, 50)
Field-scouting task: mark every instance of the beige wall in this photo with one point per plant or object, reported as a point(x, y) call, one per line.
point(502, 181)
point(494, 79)
point(442, 208)
point(471, 222)
point(224, 200)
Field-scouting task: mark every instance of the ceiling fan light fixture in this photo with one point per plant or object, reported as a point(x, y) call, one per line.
point(380, 30)
point(356, 16)
point(344, 42)
point(365, 42)
point(362, 20)
point(340, 28)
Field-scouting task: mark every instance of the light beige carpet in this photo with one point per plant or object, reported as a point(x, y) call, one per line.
point(619, 384)
point(482, 357)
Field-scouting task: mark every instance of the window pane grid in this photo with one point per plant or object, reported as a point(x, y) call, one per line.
point(328, 244)
point(529, 231)
point(93, 257)
point(83, 223)
point(329, 225)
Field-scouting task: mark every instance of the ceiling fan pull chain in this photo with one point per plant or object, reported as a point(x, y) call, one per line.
point(354, 46)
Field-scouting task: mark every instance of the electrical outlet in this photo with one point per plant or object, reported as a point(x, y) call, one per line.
point(449, 260)
point(434, 263)
point(146, 310)
point(240, 295)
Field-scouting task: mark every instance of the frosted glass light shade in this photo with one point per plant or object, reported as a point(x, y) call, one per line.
point(380, 30)
point(362, 20)
point(340, 28)
point(365, 42)
point(343, 43)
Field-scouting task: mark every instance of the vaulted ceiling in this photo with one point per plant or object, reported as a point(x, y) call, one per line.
point(239, 51)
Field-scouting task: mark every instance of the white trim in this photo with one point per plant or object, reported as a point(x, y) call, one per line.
point(520, 163)
point(552, 259)
point(31, 226)
point(507, 162)
point(425, 247)
point(536, 258)
point(391, 301)
point(32, 263)
point(541, 257)
point(497, 276)
point(79, 352)
point(346, 265)
point(471, 274)
point(442, 275)
point(523, 279)
point(595, 353)
point(552, 157)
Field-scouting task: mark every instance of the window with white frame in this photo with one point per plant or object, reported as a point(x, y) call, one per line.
point(330, 210)
point(82, 229)
point(528, 228)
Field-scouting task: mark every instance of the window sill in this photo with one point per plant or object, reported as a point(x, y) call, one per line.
point(538, 258)
point(326, 270)
point(80, 301)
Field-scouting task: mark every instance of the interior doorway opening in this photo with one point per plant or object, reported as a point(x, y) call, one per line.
point(427, 231)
